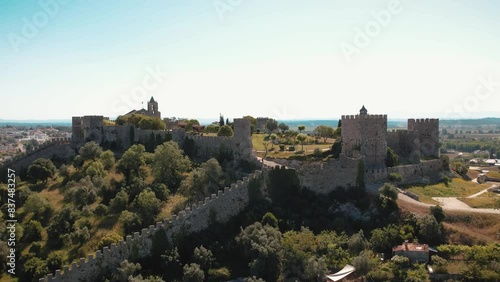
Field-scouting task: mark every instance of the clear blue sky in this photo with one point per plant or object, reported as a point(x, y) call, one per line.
point(282, 59)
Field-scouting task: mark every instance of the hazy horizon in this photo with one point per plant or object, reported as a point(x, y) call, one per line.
point(308, 61)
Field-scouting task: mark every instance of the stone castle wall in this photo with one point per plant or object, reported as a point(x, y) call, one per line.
point(365, 135)
point(223, 206)
point(423, 172)
point(406, 144)
point(325, 177)
point(428, 134)
point(60, 148)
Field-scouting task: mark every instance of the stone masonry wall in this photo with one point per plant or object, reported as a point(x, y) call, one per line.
point(224, 205)
point(426, 171)
point(365, 135)
point(428, 132)
point(60, 148)
point(406, 144)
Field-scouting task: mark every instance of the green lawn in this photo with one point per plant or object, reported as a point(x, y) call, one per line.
point(456, 188)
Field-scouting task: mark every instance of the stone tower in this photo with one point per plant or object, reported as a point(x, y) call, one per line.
point(243, 138)
point(428, 135)
point(365, 135)
point(153, 108)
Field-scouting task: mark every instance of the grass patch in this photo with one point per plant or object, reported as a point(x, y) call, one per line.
point(456, 188)
point(54, 197)
point(485, 201)
point(493, 174)
point(172, 206)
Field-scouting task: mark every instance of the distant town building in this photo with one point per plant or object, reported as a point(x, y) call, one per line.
point(152, 110)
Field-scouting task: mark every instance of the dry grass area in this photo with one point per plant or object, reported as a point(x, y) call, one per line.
point(487, 200)
point(461, 227)
point(456, 188)
point(173, 205)
point(54, 196)
point(493, 174)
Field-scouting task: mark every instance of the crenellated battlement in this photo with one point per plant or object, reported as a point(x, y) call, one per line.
point(360, 117)
point(424, 120)
point(225, 204)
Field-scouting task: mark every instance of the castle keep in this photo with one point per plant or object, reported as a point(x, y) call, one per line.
point(366, 135)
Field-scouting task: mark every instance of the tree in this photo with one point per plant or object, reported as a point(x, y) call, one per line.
point(169, 164)
point(41, 170)
point(324, 131)
point(337, 148)
point(131, 221)
point(338, 130)
point(193, 273)
point(387, 198)
point(212, 128)
point(430, 231)
point(119, 202)
point(39, 206)
point(148, 206)
point(221, 120)
point(270, 219)
point(302, 137)
point(32, 231)
point(357, 243)
point(389, 191)
point(127, 269)
point(82, 193)
point(225, 130)
point(93, 168)
point(273, 138)
point(283, 127)
point(301, 128)
point(131, 162)
point(203, 181)
point(203, 257)
point(90, 151)
point(262, 246)
point(34, 269)
point(253, 122)
point(107, 158)
point(271, 125)
point(460, 167)
point(55, 260)
point(438, 213)
point(392, 158)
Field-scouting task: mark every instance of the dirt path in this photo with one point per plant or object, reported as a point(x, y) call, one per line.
point(484, 191)
point(448, 204)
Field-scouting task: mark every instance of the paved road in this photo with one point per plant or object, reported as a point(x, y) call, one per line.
point(448, 204)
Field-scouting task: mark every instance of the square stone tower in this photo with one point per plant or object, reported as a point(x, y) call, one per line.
point(428, 135)
point(365, 135)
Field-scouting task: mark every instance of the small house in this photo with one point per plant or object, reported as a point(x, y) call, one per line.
point(414, 252)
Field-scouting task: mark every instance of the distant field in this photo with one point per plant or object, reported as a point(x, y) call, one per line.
point(456, 188)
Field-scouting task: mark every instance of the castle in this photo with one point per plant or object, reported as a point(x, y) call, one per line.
point(366, 135)
point(364, 138)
